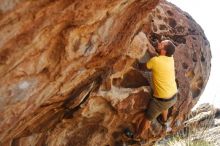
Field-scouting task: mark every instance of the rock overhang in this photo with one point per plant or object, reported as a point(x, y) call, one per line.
point(72, 71)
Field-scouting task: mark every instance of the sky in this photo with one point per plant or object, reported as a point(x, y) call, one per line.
point(206, 14)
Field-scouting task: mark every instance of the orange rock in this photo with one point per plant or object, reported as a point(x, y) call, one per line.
point(71, 72)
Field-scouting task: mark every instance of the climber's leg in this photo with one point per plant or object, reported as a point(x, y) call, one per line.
point(151, 113)
point(164, 115)
point(165, 105)
point(154, 109)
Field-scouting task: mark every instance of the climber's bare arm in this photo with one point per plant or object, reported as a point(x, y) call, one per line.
point(151, 53)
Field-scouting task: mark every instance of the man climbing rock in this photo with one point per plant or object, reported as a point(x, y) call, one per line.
point(165, 89)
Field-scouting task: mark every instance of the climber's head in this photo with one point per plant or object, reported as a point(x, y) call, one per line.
point(166, 47)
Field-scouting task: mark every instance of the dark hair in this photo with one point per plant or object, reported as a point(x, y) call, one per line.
point(170, 48)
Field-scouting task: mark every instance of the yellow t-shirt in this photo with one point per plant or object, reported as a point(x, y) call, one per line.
point(163, 76)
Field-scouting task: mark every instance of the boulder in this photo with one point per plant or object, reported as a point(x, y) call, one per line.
point(71, 72)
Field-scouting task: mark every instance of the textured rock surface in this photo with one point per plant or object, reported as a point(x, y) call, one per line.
point(204, 116)
point(70, 71)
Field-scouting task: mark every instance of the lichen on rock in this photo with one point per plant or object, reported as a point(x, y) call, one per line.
point(71, 71)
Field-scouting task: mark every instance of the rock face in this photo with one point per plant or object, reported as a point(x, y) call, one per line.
point(204, 116)
point(71, 71)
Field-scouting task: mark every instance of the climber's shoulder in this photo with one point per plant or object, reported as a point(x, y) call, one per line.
point(151, 62)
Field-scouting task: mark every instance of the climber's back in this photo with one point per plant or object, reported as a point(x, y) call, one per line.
point(163, 76)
